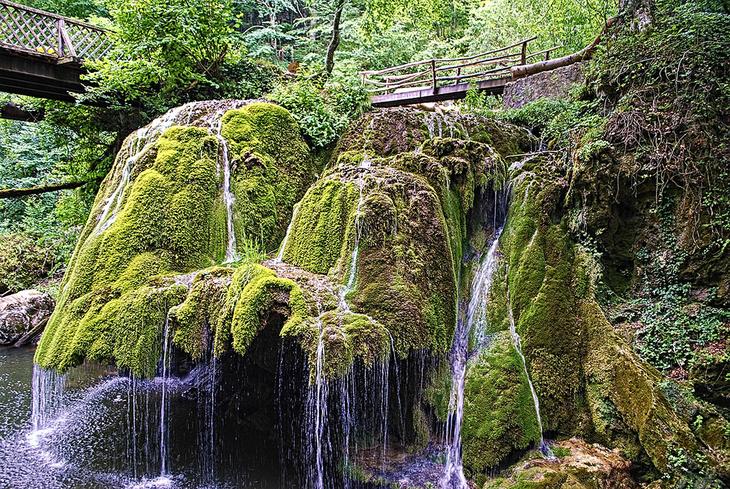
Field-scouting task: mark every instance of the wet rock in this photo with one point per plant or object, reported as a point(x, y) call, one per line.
point(23, 316)
point(579, 465)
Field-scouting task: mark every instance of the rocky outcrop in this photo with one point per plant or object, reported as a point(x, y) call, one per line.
point(23, 316)
point(555, 84)
point(579, 465)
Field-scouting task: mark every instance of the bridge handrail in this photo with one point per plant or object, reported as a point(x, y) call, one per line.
point(486, 64)
point(47, 34)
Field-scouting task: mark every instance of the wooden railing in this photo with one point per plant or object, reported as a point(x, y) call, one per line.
point(34, 31)
point(435, 73)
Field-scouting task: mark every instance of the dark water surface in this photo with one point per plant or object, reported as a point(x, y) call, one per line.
point(108, 434)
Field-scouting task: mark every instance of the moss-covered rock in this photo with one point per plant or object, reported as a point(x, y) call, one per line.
point(160, 213)
point(578, 465)
point(587, 378)
point(499, 414)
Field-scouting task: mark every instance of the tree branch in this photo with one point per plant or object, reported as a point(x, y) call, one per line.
point(12, 193)
point(15, 112)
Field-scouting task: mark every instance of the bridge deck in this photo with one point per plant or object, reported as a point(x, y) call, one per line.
point(436, 80)
point(42, 54)
point(494, 86)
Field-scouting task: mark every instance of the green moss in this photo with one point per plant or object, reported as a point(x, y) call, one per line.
point(254, 292)
point(169, 219)
point(150, 233)
point(317, 235)
point(344, 337)
point(197, 317)
point(272, 167)
point(499, 415)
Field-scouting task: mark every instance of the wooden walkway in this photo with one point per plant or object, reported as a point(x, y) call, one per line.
point(42, 54)
point(436, 80)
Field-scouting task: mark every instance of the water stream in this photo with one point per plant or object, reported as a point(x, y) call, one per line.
point(228, 197)
point(473, 325)
point(517, 342)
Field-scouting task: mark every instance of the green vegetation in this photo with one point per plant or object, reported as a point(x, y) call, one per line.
point(499, 415)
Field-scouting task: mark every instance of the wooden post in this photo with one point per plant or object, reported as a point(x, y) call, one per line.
point(547, 55)
point(59, 34)
point(524, 53)
point(433, 75)
point(458, 76)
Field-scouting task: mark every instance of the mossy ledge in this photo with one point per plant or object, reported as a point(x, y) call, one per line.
point(159, 215)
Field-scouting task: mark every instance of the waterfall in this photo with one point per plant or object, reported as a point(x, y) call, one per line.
point(228, 197)
point(317, 416)
point(280, 254)
point(516, 341)
point(473, 325)
point(352, 273)
point(48, 387)
point(164, 427)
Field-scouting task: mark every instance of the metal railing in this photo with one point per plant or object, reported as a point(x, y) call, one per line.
point(42, 33)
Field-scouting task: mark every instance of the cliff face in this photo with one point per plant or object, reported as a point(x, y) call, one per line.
point(195, 234)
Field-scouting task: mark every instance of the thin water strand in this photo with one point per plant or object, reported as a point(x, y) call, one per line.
point(228, 197)
point(517, 342)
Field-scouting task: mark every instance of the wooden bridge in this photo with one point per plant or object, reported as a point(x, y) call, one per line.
point(435, 80)
point(42, 54)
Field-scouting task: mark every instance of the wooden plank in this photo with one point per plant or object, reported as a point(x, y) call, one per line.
point(450, 92)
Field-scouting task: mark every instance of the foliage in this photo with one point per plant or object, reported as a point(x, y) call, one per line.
point(164, 50)
point(323, 111)
point(566, 23)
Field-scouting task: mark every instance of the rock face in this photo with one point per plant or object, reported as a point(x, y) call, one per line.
point(555, 84)
point(24, 315)
point(579, 465)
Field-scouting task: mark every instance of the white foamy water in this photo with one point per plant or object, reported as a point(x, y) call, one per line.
point(473, 325)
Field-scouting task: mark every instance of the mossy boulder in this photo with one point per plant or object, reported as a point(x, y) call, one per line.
point(499, 414)
point(586, 376)
point(160, 213)
point(391, 210)
point(578, 465)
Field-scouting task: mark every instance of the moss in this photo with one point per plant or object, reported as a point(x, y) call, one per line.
point(318, 231)
point(344, 338)
point(272, 167)
point(169, 219)
point(438, 392)
point(617, 378)
point(499, 415)
point(150, 233)
point(539, 268)
point(197, 317)
point(254, 293)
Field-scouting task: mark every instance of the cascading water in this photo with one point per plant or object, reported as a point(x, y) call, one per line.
point(228, 197)
point(143, 140)
point(317, 414)
point(352, 273)
point(47, 399)
point(164, 427)
point(517, 342)
point(472, 325)
point(280, 254)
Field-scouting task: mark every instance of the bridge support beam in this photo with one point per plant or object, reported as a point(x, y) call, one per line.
point(493, 86)
point(37, 76)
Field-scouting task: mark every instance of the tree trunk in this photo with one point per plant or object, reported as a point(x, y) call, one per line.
point(329, 63)
point(585, 53)
point(11, 193)
point(15, 112)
